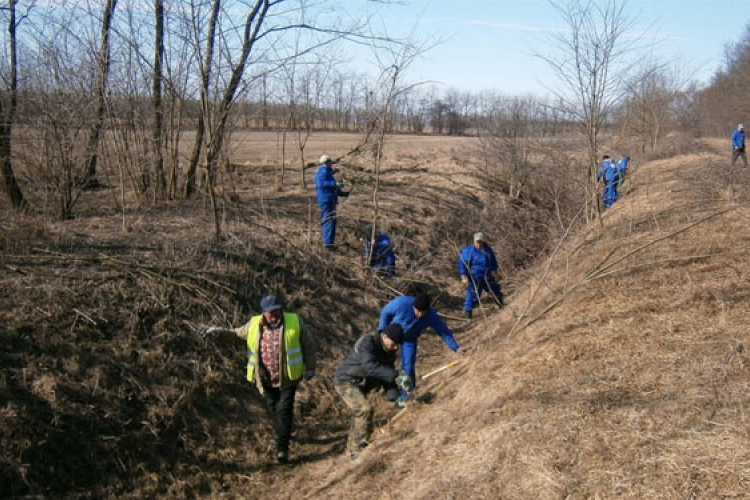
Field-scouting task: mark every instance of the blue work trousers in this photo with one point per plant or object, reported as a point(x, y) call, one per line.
point(609, 197)
point(409, 360)
point(328, 223)
point(477, 285)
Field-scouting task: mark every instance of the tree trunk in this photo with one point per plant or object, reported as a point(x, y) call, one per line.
point(175, 128)
point(8, 117)
point(203, 115)
point(195, 156)
point(161, 178)
point(100, 89)
point(253, 23)
point(264, 109)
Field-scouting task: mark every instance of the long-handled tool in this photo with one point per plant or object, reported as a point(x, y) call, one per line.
point(438, 370)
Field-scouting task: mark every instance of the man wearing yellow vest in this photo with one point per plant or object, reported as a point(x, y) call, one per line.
point(280, 353)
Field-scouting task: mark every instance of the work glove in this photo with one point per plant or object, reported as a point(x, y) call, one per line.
point(404, 382)
point(399, 402)
point(344, 194)
point(464, 279)
point(309, 374)
point(340, 185)
point(209, 331)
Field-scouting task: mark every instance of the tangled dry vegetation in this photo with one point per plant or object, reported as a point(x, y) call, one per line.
point(107, 390)
point(618, 368)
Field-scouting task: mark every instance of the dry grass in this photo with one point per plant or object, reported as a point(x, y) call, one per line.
point(633, 385)
point(105, 387)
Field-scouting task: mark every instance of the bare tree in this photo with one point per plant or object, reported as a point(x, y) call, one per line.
point(508, 143)
point(305, 104)
point(8, 105)
point(300, 116)
point(393, 62)
point(156, 97)
point(205, 73)
point(591, 64)
point(687, 109)
point(252, 26)
point(720, 105)
point(652, 95)
point(100, 89)
point(61, 77)
point(239, 42)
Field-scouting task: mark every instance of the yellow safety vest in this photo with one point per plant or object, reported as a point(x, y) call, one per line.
point(292, 359)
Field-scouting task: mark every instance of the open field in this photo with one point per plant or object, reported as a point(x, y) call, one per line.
point(259, 147)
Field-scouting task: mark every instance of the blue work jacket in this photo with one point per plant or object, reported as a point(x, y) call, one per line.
point(738, 139)
point(401, 310)
point(622, 166)
point(325, 186)
point(382, 254)
point(608, 174)
point(476, 261)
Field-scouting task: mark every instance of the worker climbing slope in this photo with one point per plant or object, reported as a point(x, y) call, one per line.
point(476, 265)
point(415, 315)
point(370, 365)
point(608, 177)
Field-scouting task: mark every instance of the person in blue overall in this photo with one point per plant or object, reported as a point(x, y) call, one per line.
point(738, 144)
point(622, 170)
point(608, 176)
point(381, 256)
point(476, 263)
point(327, 191)
point(414, 314)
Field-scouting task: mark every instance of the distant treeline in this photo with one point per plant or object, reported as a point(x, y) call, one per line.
point(140, 76)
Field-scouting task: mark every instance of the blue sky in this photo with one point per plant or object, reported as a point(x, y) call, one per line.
point(492, 44)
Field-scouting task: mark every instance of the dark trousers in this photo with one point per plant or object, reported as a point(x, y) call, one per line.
point(280, 405)
point(739, 152)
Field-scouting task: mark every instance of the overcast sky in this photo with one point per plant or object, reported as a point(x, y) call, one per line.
point(493, 44)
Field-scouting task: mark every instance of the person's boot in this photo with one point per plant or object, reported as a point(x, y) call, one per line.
point(282, 456)
point(467, 314)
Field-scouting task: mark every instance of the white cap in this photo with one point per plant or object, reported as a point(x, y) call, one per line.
point(325, 159)
point(479, 236)
point(740, 126)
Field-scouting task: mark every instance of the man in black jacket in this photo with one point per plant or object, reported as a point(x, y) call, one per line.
point(370, 365)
